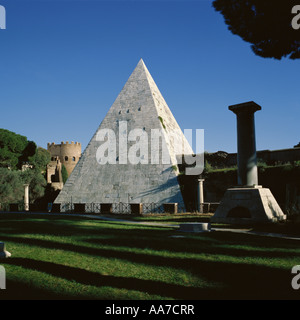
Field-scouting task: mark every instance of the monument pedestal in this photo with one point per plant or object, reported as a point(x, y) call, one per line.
point(242, 205)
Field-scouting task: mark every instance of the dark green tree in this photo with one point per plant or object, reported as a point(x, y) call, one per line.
point(266, 24)
point(36, 181)
point(12, 146)
point(64, 174)
point(11, 186)
point(28, 152)
point(15, 149)
point(40, 159)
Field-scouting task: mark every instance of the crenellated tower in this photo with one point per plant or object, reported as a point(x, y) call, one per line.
point(67, 153)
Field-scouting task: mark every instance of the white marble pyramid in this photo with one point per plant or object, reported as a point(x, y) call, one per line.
point(131, 174)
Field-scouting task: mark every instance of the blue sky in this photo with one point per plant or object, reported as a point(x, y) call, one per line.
point(64, 62)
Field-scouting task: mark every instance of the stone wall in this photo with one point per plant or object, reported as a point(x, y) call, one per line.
point(54, 176)
point(283, 181)
point(270, 157)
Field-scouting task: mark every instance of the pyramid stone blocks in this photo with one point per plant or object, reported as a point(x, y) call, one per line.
point(133, 174)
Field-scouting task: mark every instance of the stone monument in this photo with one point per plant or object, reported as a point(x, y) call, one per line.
point(247, 202)
point(26, 197)
point(200, 195)
point(139, 109)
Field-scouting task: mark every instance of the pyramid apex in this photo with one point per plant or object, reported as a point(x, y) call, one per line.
point(141, 67)
point(141, 62)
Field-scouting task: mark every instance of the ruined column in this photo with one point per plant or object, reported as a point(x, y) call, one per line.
point(247, 202)
point(26, 197)
point(246, 153)
point(200, 195)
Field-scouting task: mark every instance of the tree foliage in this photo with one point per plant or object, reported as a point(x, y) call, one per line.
point(11, 186)
point(266, 24)
point(36, 181)
point(64, 173)
point(14, 149)
point(40, 159)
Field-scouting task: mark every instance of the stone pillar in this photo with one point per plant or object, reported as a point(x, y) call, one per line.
point(248, 202)
point(200, 195)
point(26, 197)
point(246, 153)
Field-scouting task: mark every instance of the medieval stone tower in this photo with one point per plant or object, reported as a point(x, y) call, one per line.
point(67, 153)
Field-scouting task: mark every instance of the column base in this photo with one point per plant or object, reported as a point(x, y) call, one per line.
point(248, 205)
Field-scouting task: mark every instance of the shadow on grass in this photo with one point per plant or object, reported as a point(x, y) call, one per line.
point(95, 279)
point(227, 244)
point(232, 280)
point(238, 281)
point(163, 218)
point(139, 236)
point(204, 245)
point(20, 291)
point(66, 226)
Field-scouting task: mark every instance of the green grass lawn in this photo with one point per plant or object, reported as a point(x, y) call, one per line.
point(60, 257)
point(169, 218)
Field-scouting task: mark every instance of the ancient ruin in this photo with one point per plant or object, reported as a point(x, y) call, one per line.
point(248, 202)
point(116, 166)
point(67, 154)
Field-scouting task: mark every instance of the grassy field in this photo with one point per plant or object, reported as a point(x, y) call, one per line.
point(59, 257)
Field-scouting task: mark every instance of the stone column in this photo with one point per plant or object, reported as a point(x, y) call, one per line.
point(246, 153)
point(200, 195)
point(248, 202)
point(26, 197)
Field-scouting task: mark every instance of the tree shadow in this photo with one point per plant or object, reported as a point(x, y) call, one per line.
point(16, 290)
point(215, 243)
point(96, 279)
point(234, 280)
